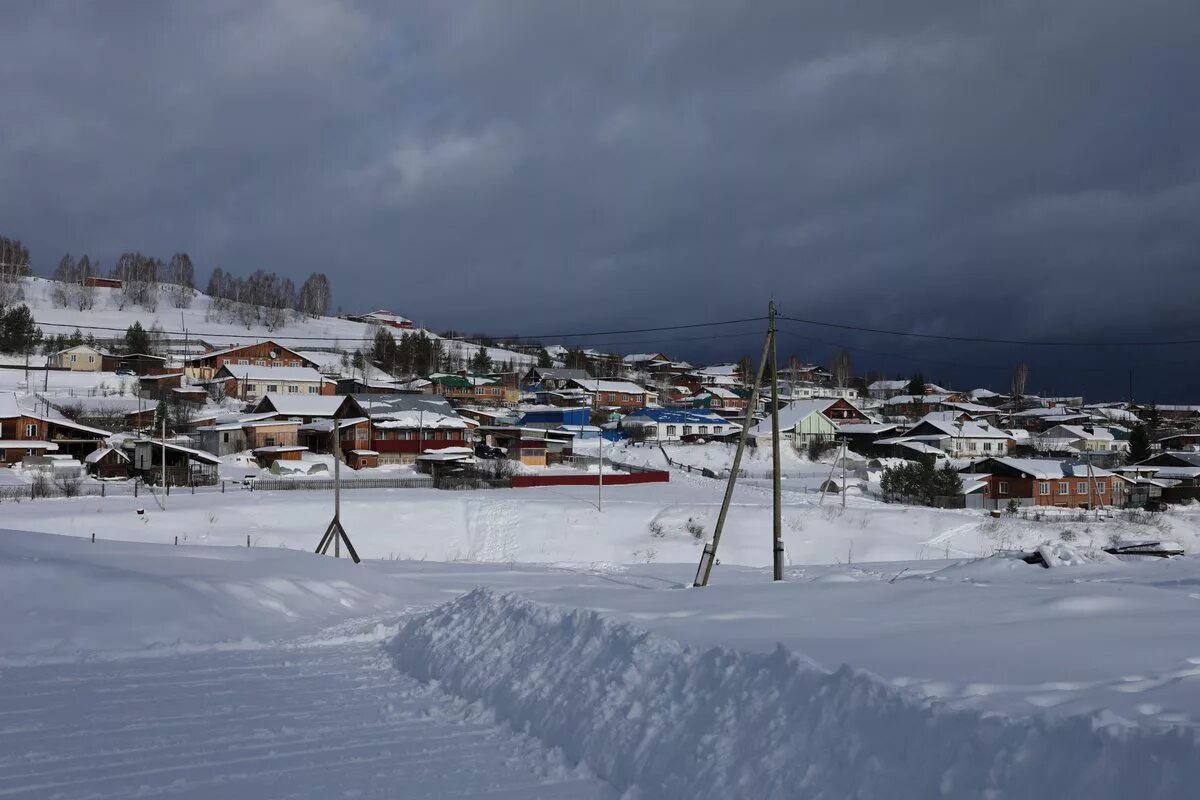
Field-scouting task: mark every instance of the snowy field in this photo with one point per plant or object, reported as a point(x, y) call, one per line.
point(522, 643)
point(153, 670)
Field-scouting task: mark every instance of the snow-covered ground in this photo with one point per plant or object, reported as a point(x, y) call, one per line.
point(139, 669)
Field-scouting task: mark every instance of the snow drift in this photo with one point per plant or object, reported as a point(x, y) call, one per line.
point(651, 715)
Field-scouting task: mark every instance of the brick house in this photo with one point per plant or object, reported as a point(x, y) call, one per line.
point(613, 394)
point(1048, 482)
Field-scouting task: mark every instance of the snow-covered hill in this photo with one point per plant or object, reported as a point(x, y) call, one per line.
point(108, 319)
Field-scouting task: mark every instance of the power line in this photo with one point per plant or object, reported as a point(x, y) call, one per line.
point(989, 340)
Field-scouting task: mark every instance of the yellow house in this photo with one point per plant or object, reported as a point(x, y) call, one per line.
point(81, 358)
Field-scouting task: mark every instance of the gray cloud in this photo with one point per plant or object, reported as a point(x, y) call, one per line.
point(1013, 169)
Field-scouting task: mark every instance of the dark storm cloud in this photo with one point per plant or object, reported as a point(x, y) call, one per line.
point(1012, 169)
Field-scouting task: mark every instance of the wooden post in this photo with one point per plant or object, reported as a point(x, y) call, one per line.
point(709, 558)
point(776, 478)
point(247, 540)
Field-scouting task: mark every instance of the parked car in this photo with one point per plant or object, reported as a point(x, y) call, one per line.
point(125, 371)
point(487, 451)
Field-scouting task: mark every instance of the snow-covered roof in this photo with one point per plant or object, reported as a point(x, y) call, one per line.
point(304, 405)
point(384, 316)
point(793, 414)
point(101, 452)
point(13, 406)
point(1078, 432)
point(624, 387)
point(964, 430)
point(27, 444)
point(682, 416)
point(866, 427)
point(1050, 469)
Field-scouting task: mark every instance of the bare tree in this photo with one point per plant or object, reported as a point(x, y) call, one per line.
point(66, 274)
point(1020, 379)
point(842, 368)
point(181, 279)
point(315, 295)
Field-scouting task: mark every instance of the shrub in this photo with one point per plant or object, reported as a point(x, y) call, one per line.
point(921, 482)
point(695, 528)
point(657, 530)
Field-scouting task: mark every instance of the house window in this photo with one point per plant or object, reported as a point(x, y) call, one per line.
point(250, 387)
point(91, 359)
point(243, 362)
point(1082, 487)
point(260, 362)
point(225, 437)
point(31, 430)
point(687, 430)
point(670, 430)
point(72, 358)
point(987, 446)
point(1099, 488)
point(702, 429)
point(293, 388)
point(1044, 487)
point(314, 390)
point(1002, 487)
point(272, 387)
point(268, 441)
point(1064, 487)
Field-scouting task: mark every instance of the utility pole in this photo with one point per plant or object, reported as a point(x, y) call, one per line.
point(776, 488)
point(709, 556)
point(600, 475)
point(164, 458)
point(843, 473)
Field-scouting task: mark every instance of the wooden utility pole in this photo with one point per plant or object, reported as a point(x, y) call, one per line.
point(709, 556)
point(335, 534)
point(164, 458)
point(776, 488)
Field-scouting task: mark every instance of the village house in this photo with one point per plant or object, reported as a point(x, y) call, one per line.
point(960, 439)
point(551, 378)
point(307, 407)
point(917, 406)
point(1049, 482)
point(1078, 439)
point(477, 389)
point(84, 358)
point(185, 466)
point(533, 447)
point(720, 397)
point(803, 422)
point(259, 354)
point(621, 395)
point(675, 424)
point(404, 426)
point(29, 429)
point(250, 382)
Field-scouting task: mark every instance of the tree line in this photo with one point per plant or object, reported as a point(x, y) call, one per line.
point(266, 298)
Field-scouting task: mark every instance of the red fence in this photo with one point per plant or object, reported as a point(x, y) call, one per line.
point(586, 479)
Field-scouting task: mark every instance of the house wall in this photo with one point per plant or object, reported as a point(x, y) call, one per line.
point(258, 354)
point(270, 435)
point(675, 431)
point(80, 359)
point(1113, 492)
point(253, 389)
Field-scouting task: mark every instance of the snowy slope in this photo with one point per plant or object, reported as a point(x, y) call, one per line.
point(299, 332)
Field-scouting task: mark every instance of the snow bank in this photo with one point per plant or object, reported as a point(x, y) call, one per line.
point(650, 715)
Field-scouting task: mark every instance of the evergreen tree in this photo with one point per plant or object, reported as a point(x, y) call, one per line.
point(18, 333)
point(136, 339)
point(481, 362)
point(544, 359)
point(1139, 444)
point(383, 349)
point(916, 386)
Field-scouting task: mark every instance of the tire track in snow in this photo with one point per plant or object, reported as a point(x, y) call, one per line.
point(285, 721)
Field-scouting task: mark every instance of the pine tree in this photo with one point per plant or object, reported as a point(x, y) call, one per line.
point(18, 333)
point(1139, 444)
point(481, 362)
point(916, 386)
point(136, 339)
point(544, 359)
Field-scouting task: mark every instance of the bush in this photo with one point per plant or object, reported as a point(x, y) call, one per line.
point(819, 447)
point(1012, 508)
point(69, 485)
point(657, 530)
point(694, 528)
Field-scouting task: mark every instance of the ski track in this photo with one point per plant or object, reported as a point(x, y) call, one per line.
point(291, 721)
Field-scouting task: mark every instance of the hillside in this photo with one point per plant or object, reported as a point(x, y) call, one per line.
point(108, 319)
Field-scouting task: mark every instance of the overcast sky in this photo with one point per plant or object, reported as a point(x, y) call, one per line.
point(1007, 169)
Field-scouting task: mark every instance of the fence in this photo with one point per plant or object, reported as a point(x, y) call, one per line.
point(326, 484)
point(618, 479)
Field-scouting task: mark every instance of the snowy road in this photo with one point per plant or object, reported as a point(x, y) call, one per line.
point(322, 719)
